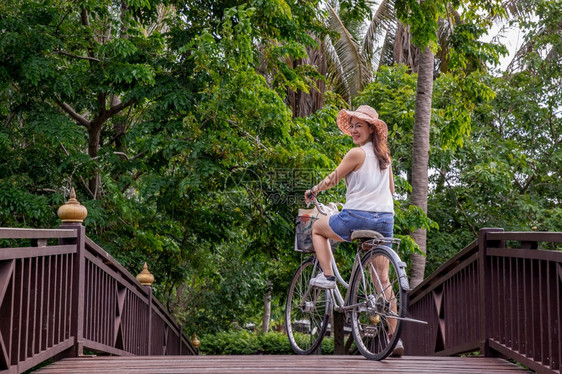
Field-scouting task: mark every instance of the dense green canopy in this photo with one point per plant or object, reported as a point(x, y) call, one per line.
point(175, 122)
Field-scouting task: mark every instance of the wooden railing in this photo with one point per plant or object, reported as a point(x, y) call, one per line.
point(61, 294)
point(500, 296)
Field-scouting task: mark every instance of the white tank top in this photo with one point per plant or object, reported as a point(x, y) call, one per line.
point(369, 187)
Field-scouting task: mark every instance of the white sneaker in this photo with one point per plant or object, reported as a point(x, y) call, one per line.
point(321, 281)
point(398, 349)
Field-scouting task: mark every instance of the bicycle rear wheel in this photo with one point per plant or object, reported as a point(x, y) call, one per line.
point(379, 296)
point(306, 312)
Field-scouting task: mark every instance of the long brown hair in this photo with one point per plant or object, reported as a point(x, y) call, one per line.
point(382, 153)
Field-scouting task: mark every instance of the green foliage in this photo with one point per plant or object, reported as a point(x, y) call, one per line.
point(455, 99)
point(201, 175)
point(423, 16)
point(230, 343)
point(508, 172)
point(274, 343)
point(242, 342)
point(467, 53)
point(189, 175)
point(494, 174)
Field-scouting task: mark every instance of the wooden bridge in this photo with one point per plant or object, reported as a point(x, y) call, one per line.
point(281, 364)
point(61, 294)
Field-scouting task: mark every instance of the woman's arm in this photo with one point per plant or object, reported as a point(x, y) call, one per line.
point(351, 161)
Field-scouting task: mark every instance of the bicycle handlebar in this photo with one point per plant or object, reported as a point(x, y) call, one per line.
point(318, 205)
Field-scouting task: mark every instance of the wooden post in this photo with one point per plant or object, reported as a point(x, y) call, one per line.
point(146, 279)
point(339, 334)
point(179, 338)
point(484, 294)
point(78, 285)
point(72, 214)
point(149, 335)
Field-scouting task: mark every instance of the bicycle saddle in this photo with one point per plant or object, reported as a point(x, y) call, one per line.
point(366, 234)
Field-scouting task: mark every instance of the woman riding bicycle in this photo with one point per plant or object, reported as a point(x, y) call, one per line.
point(370, 186)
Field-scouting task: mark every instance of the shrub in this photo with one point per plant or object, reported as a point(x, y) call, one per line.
point(242, 342)
point(275, 343)
point(239, 342)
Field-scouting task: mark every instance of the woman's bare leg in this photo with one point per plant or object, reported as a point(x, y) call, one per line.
point(321, 232)
point(381, 265)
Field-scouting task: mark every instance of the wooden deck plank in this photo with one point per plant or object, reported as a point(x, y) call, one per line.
point(279, 364)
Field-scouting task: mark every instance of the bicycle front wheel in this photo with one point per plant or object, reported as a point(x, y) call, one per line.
point(379, 294)
point(307, 311)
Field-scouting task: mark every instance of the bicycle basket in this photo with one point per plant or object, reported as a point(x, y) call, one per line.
point(303, 225)
point(303, 232)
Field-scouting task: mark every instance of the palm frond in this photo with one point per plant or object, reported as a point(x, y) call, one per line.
point(161, 25)
point(513, 9)
point(517, 63)
point(444, 31)
point(383, 19)
point(446, 28)
point(336, 75)
point(548, 53)
point(404, 51)
point(387, 50)
point(553, 55)
point(356, 68)
point(313, 101)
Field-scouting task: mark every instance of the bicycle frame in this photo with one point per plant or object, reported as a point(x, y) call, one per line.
point(377, 287)
point(375, 300)
point(341, 303)
point(335, 295)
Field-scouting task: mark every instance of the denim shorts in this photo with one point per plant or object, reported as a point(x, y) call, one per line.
point(349, 220)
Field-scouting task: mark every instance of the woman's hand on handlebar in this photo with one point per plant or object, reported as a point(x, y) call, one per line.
point(309, 196)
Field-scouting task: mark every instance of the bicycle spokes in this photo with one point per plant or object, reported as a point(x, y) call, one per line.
point(306, 314)
point(379, 304)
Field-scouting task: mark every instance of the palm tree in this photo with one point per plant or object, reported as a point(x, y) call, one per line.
point(349, 66)
point(344, 57)
point(420, 156)
point(350, 63)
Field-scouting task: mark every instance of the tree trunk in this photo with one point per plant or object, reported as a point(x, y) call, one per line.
point(420, 159)
point(119, 122)
point(305, 104)
point(266, 310)
point(93, 148)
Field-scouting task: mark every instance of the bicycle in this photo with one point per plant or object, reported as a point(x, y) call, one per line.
point(374, 304)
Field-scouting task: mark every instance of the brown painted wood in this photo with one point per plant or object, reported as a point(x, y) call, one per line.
point(528, 236)
point(33, 252)
point(22, 233)
point(509, 296)
point(279, 364)
point(57, 300)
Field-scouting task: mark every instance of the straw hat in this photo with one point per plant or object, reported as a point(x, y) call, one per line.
point(365, 113)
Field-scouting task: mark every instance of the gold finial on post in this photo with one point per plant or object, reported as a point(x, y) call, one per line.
point(196, 343)
point(72, 210)
point(145, 277)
